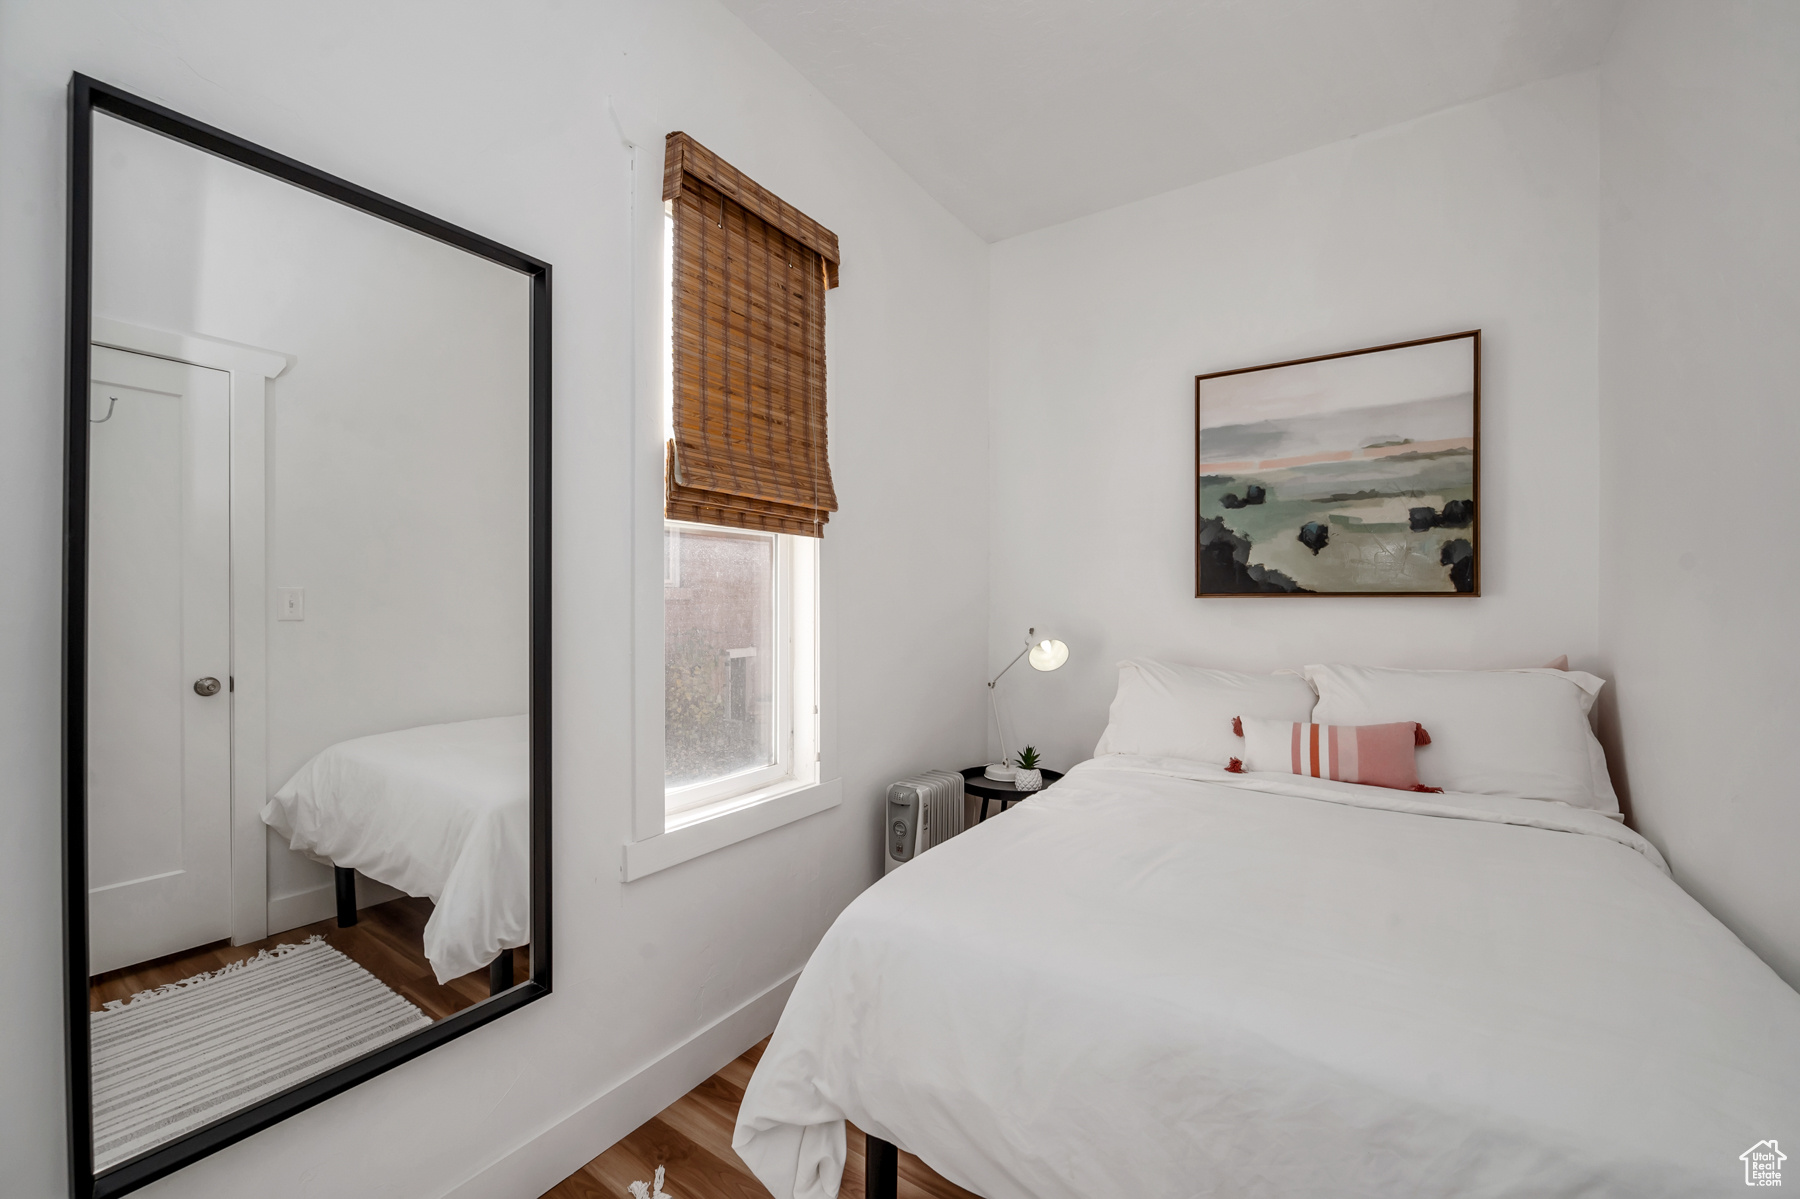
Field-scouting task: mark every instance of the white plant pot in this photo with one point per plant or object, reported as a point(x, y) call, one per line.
point(1027, 780)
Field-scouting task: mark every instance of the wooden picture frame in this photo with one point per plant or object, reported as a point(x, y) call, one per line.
point(1354, 473)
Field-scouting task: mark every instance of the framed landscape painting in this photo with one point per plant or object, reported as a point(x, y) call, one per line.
point(1347, 474)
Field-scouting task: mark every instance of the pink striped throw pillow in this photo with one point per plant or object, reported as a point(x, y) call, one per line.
point(1378, 755)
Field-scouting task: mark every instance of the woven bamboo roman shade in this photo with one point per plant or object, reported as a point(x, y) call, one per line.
point(751, 272)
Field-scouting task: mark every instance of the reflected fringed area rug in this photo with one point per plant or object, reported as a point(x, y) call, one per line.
point(174, 1059)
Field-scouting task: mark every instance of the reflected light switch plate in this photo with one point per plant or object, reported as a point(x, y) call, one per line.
point(290, 603)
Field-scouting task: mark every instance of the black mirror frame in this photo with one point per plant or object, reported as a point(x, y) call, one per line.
point(86, 96)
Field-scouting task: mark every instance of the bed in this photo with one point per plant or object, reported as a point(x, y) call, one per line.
point(1163, 978)
point(440, 811)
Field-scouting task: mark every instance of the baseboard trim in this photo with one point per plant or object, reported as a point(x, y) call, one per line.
point(320, 903)
point(566, 1146)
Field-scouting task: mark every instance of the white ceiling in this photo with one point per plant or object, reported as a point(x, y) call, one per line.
point(1017, 114)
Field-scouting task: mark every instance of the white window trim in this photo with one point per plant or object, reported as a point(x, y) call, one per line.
point(660, 839)
point(750, 815)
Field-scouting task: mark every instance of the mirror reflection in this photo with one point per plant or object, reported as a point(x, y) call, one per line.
point(307, 774)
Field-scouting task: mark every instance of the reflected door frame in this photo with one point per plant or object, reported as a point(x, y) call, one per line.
point(250, 370)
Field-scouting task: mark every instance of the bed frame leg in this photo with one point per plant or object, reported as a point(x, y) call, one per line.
point(346, 896)
point(500, 973)
point(881, 1168)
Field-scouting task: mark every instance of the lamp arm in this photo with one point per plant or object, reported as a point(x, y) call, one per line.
point(994, 707)
point(1009, 665)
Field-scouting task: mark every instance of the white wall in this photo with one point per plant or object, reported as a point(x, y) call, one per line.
point(1481, 216)
point(1700, 428)
point(396, 441)
point(494, 117)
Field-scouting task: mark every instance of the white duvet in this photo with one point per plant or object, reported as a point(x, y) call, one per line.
point(1158, 979)
point(440, 811)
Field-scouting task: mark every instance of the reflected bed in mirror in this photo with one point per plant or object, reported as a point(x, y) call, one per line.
point(307, 640)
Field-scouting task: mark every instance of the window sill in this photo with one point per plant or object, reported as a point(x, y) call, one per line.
point(703, 830)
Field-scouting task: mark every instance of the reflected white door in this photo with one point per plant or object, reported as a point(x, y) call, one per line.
point(159, 621)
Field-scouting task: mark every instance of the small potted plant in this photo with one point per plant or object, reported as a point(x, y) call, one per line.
point(1028, 777)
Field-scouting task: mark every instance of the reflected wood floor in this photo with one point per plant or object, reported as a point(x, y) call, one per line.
point(387, 940)
point(692, 1139)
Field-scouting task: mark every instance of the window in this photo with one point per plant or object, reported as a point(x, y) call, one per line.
point(748, 484)
point(740, 638)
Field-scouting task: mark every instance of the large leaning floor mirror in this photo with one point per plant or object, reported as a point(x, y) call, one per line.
point(306, 688)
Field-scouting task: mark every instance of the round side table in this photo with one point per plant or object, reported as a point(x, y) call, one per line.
point(975, 782)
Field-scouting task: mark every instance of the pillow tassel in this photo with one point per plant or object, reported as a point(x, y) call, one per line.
point(1427, 790)
point(1235, 766)
point(1420, 736)
point(1237, 725)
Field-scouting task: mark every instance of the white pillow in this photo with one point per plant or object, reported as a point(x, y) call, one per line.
point(1168, 711)
point(1493, 732)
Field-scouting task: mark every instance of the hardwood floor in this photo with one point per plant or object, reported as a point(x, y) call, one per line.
point(387, 940)
point(691, 1138)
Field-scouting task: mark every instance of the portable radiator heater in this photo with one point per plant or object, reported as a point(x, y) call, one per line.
point(922, 811)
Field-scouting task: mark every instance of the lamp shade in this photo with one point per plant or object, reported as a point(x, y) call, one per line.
point(1048, 655)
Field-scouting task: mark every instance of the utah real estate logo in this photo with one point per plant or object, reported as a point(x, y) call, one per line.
point(1762, 1164)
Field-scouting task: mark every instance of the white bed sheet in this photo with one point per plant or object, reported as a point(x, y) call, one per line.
point(1159, 979)
point(441, 811)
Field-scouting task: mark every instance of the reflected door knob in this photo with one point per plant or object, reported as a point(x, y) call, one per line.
point(206, 686)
